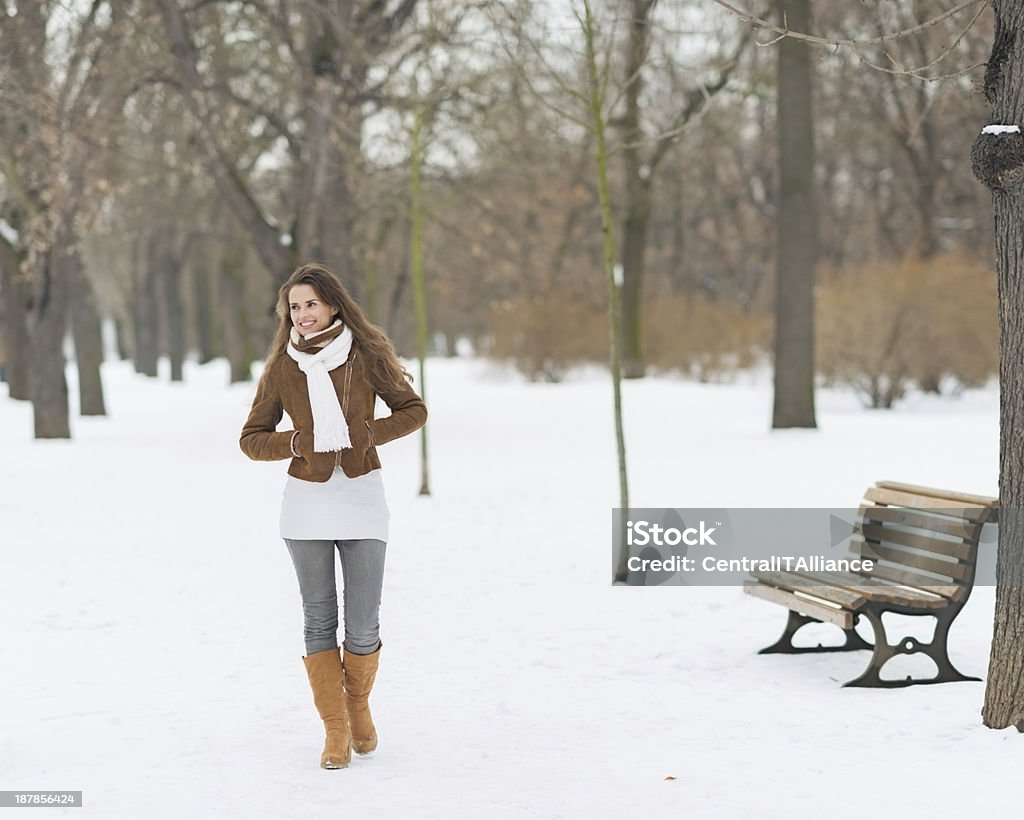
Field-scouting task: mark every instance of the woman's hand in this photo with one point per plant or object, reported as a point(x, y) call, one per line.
point(360, 436)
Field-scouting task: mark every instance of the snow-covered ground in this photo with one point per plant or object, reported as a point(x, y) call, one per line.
point(152, 630)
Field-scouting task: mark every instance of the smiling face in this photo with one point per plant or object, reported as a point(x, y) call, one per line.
point(309, 314)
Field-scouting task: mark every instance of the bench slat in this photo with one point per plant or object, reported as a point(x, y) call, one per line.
point(849, 599)
point(957, 549)
point(840, 617)
point(955, 592)
point(950, 569)
point(895, 498)
point(921, 520)
point(876, 590)
point(979, 500)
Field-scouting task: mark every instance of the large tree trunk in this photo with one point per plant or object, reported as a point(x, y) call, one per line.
point(124, 351)
point(337, 222)
point(998, 161)
point(638, 174)
point(48, 325)
point(144, 308)
point(314, 173)
point(398, 289)
point(235, 316)
point(169, 271)
point(204, 277)
point(797, 250)
point(17, 295)
point(85, 328)
point(371, 269)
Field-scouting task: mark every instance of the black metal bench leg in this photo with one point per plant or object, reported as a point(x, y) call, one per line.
point(881, 653)
point(784, 645)
point(936, 650)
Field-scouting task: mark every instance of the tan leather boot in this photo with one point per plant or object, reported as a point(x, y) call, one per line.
point(360, 672)
point(326, 679)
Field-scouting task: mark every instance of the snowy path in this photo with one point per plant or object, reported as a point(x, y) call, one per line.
point(151, 638)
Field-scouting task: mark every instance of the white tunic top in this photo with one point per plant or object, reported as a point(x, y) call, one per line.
point(337, 509)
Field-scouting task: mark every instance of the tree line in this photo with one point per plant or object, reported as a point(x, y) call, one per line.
point(159, 158)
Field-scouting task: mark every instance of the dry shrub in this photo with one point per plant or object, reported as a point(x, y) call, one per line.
point(546, 334)
point(890, 325)
point(708, 340)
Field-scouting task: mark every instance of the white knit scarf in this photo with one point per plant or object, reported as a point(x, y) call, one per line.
point(330, 430)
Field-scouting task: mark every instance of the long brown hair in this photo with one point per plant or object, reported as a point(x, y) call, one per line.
point(385, 367)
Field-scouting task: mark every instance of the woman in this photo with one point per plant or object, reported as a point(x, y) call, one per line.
point(325, 368)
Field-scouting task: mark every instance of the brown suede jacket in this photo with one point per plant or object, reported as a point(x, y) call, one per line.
point(283, 389)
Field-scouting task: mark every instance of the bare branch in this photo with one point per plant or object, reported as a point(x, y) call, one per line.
point(759, 22)
point(556, 77)
point(275, 121)
point(227, 176)
point(916, 72)
point(78, 52)
point(856, 46)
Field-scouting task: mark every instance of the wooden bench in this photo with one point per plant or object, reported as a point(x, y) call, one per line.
point(924, 545)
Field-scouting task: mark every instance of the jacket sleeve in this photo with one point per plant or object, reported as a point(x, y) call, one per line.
point(260, 439)
point(408, 414)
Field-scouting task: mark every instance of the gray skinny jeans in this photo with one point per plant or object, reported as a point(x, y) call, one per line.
point(362, 569)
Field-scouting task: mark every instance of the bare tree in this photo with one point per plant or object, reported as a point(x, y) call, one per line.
point(797, 235)
point(314, 99)
point(55, 126)
point(642, 155)
point(998, 161)
point(15, 292)
point(587, 104)
point(419, 126)
point(596, 100)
